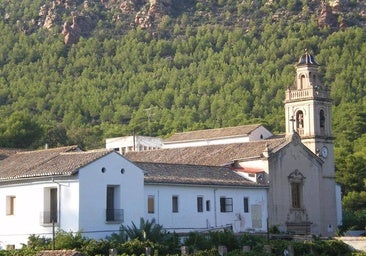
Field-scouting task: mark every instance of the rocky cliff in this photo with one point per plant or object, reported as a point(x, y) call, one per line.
point(74, 19)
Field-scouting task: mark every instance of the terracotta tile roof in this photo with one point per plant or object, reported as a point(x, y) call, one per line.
point(217, 155)
point(5, 152)
point(48, 162)
point(192, 174)
point(212, 133)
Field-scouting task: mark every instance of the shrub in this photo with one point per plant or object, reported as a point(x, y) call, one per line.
point(197, 241)
point(137, 247)
point(226, 238)
point(69, 240)
point(255, 242)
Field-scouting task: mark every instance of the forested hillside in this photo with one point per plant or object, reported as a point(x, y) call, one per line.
point(74, 72)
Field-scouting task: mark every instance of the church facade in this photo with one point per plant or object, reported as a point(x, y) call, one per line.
point(308, 112)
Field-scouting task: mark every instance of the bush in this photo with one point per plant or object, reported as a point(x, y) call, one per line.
point(255, 242)
point(226, 238)
point(137, 247)
point(197, 241)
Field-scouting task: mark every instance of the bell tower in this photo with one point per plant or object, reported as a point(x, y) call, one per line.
point(308, 108)
point(308, 113)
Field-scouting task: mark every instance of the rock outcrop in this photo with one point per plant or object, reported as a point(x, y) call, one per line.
point(151, 12)
point(327, 18)
point(72, 31)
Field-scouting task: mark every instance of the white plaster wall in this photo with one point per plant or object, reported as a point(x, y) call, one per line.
point(130, 141)
point(93, 187)
point(196, 143)
point(29, 204)
point(119, 142)
point(257, 133)
point(188, 219)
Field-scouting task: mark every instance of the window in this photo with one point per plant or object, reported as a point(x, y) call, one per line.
point(150, 204)
point(295, 193)
point(53, 204)
point(112, 202)
point(299, 120)
point(175, 203)
point(226, 204)
point(10, 205)
point(302, 82)
point(50, 206)
point(246, 204)
point(208, 205)
point(199, 204)
point(322, 119)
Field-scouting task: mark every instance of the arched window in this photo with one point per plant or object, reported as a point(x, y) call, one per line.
point(321, 119)
point(300, 122)
point(302, 82)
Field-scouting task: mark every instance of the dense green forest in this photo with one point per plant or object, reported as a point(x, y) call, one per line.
point(205, 64)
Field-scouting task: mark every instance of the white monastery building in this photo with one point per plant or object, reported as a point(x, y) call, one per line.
point(243, 178)
point(75, 190)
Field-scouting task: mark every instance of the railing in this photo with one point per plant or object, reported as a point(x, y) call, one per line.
point(114, 215)
point(48, 218)
point(306, 93)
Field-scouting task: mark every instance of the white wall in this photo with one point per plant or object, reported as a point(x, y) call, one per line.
point(81, 202)
point(93, 189)
point(188, 219)
point(259, 134)
point(207, 142)
point(133, 143)
point(253, 136)
point(29, 206)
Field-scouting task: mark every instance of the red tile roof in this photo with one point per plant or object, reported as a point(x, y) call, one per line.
point(192, 174)
point(48, 162)
point(212, 155)
point(5, 152)
point(243, 130)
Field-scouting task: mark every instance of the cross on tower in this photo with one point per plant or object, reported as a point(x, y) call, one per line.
point(292, 120)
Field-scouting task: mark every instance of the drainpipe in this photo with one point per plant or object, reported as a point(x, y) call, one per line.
point(58, 202)
point(215, 211)
point(158, 207)
point(59, 205)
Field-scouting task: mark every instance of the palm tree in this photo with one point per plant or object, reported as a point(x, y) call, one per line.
point(148, 230)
